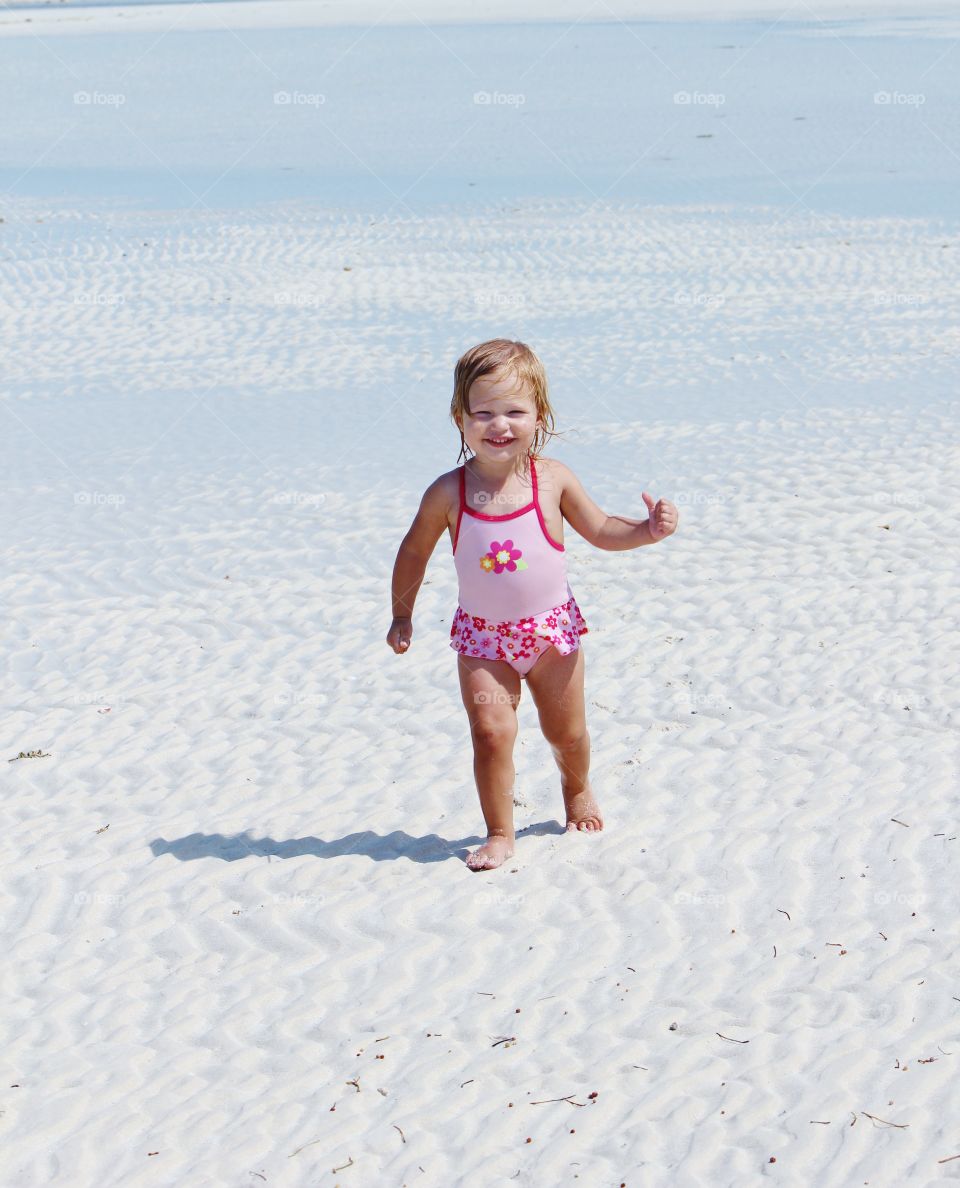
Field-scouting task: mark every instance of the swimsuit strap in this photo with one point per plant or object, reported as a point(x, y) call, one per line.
point(536, 504)
point(463, 504)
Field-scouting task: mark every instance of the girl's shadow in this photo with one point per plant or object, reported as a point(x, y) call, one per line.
point(388, 848)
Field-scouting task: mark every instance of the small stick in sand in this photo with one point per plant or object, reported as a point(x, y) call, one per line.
point(783, 913)
point(568, 1098)
point(397, 1128)
point(903, 823)
point(948, 1158)
point(349, 1163)
point(303, 1148)
point(733, 1041)
point(898, 1125)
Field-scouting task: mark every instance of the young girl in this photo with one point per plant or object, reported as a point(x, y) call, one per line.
point(517, 620)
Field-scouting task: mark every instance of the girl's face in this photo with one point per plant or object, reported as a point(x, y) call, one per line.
point(502, 419)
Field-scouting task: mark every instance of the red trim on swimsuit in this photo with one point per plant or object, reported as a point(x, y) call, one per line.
point(536, 500)
point(463, 503)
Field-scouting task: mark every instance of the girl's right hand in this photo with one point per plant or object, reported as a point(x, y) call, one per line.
point(399, 635)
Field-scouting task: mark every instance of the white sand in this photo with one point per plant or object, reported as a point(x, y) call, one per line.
point(237, 878)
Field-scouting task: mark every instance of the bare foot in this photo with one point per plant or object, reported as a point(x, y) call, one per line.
point(583, 812)
point(493, 852)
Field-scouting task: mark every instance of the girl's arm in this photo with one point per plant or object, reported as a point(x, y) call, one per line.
point(415, 551)
point(612, 532)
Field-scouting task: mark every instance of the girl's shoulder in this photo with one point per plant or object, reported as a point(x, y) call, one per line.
point(553, 465)
point(552, 474)
point(444, 492)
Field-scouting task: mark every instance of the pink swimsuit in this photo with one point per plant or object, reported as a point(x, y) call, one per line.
point(515, 601)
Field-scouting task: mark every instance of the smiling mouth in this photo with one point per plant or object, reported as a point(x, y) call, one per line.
point(499, 441)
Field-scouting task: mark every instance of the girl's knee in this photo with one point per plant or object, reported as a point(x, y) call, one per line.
point(568, 739)
point(491, 734)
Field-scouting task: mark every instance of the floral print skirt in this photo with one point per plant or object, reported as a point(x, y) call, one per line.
point(520, 643)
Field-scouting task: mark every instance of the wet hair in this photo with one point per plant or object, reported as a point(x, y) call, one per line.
point(502, 356)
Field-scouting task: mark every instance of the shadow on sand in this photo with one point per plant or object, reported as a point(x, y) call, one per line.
point(232, 847)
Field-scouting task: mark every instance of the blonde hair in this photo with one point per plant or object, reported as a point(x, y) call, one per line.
point(503, 355)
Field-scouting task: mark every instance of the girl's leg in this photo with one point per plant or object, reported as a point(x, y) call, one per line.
point(491, 691)
point(556, 683)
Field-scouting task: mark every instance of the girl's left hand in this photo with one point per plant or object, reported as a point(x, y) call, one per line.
point(663, 516)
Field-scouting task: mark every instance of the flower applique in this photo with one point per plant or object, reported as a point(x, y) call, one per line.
point(502, 556)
